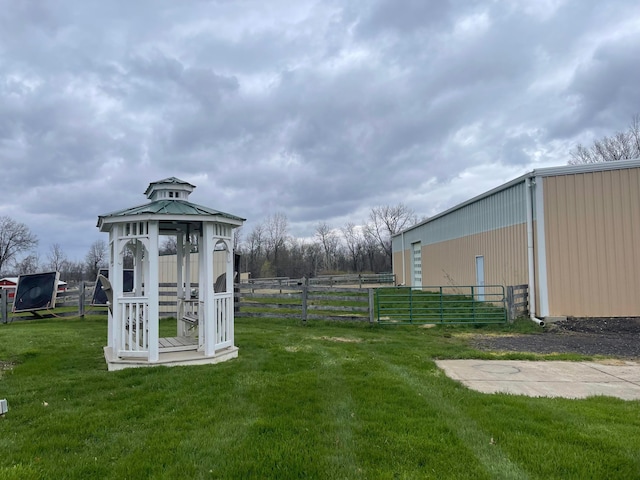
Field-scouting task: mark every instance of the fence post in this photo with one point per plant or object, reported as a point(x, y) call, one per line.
point(510, 302)
point(4, 307)
point(81, 299)
point(371, 306)
point(305, 289)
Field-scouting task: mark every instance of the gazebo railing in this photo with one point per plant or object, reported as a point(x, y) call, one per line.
point(224, 320)
point(134, 326)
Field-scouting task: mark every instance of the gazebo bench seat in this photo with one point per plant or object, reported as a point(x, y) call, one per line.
point(191, 319)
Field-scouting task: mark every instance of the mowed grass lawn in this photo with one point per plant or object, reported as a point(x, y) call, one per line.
point(321, 401)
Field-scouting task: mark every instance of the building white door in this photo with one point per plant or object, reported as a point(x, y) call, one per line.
point(416, 265)
point(480, 277)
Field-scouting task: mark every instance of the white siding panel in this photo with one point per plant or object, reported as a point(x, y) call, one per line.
point(502, 209)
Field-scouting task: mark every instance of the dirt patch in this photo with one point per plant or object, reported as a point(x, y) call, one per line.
point(5, 366)
point(342, 339)
point(612, 337)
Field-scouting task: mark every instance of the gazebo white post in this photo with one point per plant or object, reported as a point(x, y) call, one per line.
point(230, 277)
point(115, 278)
point(151, 287)
point(187, 266)
point(208, 315)
point(180, 297)
point(111, 338)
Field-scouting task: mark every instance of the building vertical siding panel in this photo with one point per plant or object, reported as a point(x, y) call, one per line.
point(588, 241)
point(599, 235)
point(592, 226)
point(616, 267)
point(396, 259)
point(574, 235)
point(624, 271)
point(552, 218)
point(632, 186)
point(452, 262)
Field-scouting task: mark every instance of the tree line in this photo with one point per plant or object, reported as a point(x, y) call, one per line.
point(268, 250)
point(623, 145)
point(18, 255)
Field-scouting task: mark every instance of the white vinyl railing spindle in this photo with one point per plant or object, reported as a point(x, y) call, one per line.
point(134, 323)
point(223, 320)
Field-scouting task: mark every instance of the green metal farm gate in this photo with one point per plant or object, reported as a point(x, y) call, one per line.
point(471, 304)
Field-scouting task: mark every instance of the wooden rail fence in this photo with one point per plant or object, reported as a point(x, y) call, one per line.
point(361, 280)
point(517, 301)
point(305, 302)
point(280, 298)
point(79, 296)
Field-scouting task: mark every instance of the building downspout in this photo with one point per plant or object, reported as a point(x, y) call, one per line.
point(404, 280)
point(530, 252)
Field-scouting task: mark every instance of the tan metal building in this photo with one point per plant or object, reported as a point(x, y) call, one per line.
point(572, 233)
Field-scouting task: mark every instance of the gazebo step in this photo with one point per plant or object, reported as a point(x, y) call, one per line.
point(171, 359)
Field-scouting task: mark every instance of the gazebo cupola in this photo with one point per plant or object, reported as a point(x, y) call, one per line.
point(204, 324)
point(170, 188)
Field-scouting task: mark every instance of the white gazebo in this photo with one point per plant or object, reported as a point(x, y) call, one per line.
point(204, 321)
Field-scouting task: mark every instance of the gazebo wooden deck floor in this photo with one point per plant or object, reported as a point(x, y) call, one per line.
point(177, 344)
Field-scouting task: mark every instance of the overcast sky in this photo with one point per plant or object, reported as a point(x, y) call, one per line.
point(319, 110)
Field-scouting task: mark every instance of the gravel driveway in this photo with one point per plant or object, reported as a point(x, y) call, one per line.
point(614, 337)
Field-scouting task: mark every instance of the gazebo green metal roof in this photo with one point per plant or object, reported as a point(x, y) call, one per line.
point(169, 199)
point(169, 207)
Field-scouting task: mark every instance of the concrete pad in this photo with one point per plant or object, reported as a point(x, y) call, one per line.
point(547, 379)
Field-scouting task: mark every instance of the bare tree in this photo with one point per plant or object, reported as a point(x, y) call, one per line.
point(237, 238)
point(74, 271)
point(619, 146)
point(355, 244)
point(15, 238)
point(57, 260)
point(169, 246)
point(128, 258)
point(312, 257)
point(255, 249)
point(329, 241)
point(372, 249)
point(386, 221)
point(29, 264)
point(276, 226)
point(96, 258)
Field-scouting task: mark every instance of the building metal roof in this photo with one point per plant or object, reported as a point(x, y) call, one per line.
point(541, 172)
